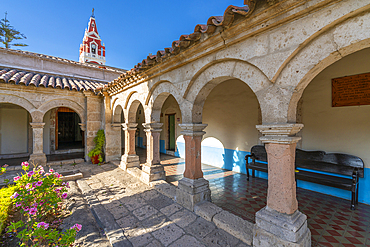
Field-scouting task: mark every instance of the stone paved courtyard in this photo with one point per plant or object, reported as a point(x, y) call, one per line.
point(134, 214)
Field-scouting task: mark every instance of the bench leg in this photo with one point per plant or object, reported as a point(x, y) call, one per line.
point(357, 195)
point(353, 198)
point(253, 173)
point(247, 174)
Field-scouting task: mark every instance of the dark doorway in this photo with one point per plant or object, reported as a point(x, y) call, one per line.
point(69, 134)
point(171, 132)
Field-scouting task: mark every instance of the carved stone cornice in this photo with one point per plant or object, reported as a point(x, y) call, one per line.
point(279, 133)
point(192, 129)
point(152, 127)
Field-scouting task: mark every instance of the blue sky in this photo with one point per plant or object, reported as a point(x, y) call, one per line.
point(130, 29)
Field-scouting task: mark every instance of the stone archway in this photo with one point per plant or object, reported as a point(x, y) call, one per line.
point(214, 74)
point(63, 103)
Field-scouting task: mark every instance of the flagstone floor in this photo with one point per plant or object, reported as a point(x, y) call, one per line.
point(330, 219)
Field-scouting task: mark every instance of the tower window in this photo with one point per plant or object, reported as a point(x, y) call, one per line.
point(93, 48)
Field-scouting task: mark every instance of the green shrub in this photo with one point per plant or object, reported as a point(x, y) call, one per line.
point(99, 144)
point(5, 204)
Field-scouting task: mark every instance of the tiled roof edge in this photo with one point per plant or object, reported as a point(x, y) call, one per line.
point(31, 78)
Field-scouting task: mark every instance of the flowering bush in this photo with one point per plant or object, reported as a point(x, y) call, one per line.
point(38, 197)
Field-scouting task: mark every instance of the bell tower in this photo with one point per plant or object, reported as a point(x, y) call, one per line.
point(92, 50)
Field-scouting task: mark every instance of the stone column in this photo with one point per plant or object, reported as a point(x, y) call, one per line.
point(280, 223)
point(193, 188)
point(113, 147)
point(93, 119)
point(38, 157)
point(83, 128)
point(152, 169)
point(129, 159)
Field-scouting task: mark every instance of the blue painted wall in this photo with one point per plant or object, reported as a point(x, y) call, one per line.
point(234, 160)
point(139, 142)
point(162, 146)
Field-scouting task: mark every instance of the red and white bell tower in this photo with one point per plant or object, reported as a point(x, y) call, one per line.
point(92, 50)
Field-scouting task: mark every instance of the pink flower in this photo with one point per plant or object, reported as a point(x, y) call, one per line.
point(28, 186)
point(15, 195)
point(39, 183)
point(51, 170)
point(58, 175)
point(41, 169)
point(77, 227)
point(41, 203)
point(18, 204)
point(33, 211)
point(64, 195)
point(17, 178)
point(30, 173)
point(47, 174)
point(26, 208)
point(5, 166)
point(57, 190)
point(43, 225)
point(25, 164)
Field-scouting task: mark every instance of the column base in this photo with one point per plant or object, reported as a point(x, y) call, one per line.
point(152, 173)
point(38, 159)
point(276, 229)
point(109, 158)
point(192, 191)
point(128, 161)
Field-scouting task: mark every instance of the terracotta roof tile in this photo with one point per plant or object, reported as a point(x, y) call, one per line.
point(13, 76)
point(187, 40)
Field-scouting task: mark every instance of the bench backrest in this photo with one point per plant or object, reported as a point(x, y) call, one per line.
point(329, 162)
point(259, 153)
point(319, 160)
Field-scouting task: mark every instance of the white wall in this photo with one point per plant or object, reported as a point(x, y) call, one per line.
point(336, 129)
point(231, 112)
point(13, 130)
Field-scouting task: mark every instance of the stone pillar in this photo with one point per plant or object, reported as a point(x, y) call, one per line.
point(280, 223)
point(152, 169)
point(38, 157)
point(193, 188)
point(129, 159)
point(113, 147)
point(93, 120)
point(83, 128)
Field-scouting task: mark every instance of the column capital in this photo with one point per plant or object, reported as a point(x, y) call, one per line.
point(37, 125)
point(129, 126)
point(279, 133)
point(82, 126)
point(193, 129)
point(152, 127)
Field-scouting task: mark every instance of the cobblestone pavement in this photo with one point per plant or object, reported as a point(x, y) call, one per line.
point(134, 214)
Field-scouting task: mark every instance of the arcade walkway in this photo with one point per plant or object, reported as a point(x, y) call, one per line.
point(330, 219)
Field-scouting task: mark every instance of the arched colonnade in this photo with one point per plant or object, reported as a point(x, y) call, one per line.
point(278, 97)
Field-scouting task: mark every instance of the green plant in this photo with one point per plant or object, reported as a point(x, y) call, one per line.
point(8, 33)
point(99, 144)
point(38, 197)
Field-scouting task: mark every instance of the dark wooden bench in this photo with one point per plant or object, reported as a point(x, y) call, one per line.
point(316, 162)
